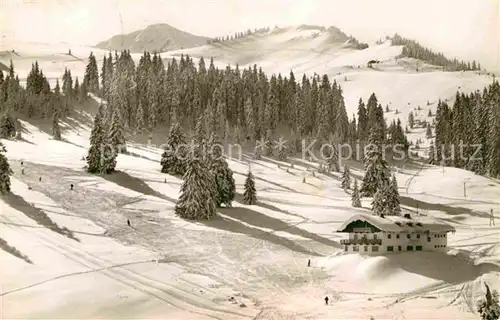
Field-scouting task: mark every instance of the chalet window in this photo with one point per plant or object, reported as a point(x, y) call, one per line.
point(355, 237)
point(399, 248)
point(366, 248)
point(397, 236)
point(409, 248)
point(388, 236)
point(418, 236)
point(355, 248)
point(408, 236)
point(375, 248)
point(390, 248)
point(428, 239)
point(346, 248)
point(418, 248)
point(375, 236)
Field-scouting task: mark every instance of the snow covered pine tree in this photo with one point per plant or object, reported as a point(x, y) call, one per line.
point(173, 159)
point(5, 171)
point(376, 168)
point(346, 178)
point(250, 194)
point(96, 141)
point(356, 202)
point(224, 180)
point(197, 195)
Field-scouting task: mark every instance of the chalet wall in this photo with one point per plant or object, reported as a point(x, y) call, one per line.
point(399, 242)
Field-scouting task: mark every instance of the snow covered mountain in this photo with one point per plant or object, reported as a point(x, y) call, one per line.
point(156, 37)
point(62, 246)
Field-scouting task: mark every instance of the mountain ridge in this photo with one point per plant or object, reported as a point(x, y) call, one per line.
point(158, 37)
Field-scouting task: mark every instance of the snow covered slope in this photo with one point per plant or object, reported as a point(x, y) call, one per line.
point(303, 50)
point(164, 267)
point(315, 50)
point(82, 250)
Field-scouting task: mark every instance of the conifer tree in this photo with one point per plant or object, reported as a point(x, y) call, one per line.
point(139, 118)
point(493, 166)
point(91, 76)
point(376, 167)
point(380, 200)
point(173, 160)
point(428, 132)
point(97, 136)
point(250, 119)
point(250, 193)
point(332, 161)
point(116, 133)
point(199, 139)
point(411, 120)
point(76, 90)
point(356, 202)
point(196, 201)
point(362, 120)
point(346, 178)
point(432, 153)
point(7, 125)
point(393, 204)
point(108, 158)
point(5, 171)
point(224, 180)
point(489, 307)
point(56, 130)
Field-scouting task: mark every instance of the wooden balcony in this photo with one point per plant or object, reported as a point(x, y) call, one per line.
point(361, 241)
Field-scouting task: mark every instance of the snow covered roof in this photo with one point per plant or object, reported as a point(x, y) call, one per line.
point(399, 223)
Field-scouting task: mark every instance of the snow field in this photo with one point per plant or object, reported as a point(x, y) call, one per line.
point(259, 251)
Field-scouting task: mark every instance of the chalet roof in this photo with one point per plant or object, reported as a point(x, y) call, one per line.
point(400, 224)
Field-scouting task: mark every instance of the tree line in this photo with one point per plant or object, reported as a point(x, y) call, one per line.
point(237, 35)
point(240, 105)
point(473, 122)
point(36, 100)
point(413, 49)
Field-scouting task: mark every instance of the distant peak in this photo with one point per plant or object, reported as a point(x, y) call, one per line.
point(310, 27)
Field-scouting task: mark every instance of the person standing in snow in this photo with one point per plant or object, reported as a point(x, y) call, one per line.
point(492, 218)
point(128, 222)
point(326, 300)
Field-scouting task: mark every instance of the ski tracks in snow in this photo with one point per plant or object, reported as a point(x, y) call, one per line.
point(177, 297)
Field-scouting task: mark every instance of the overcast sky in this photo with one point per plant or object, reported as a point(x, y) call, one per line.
point(468, 29)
